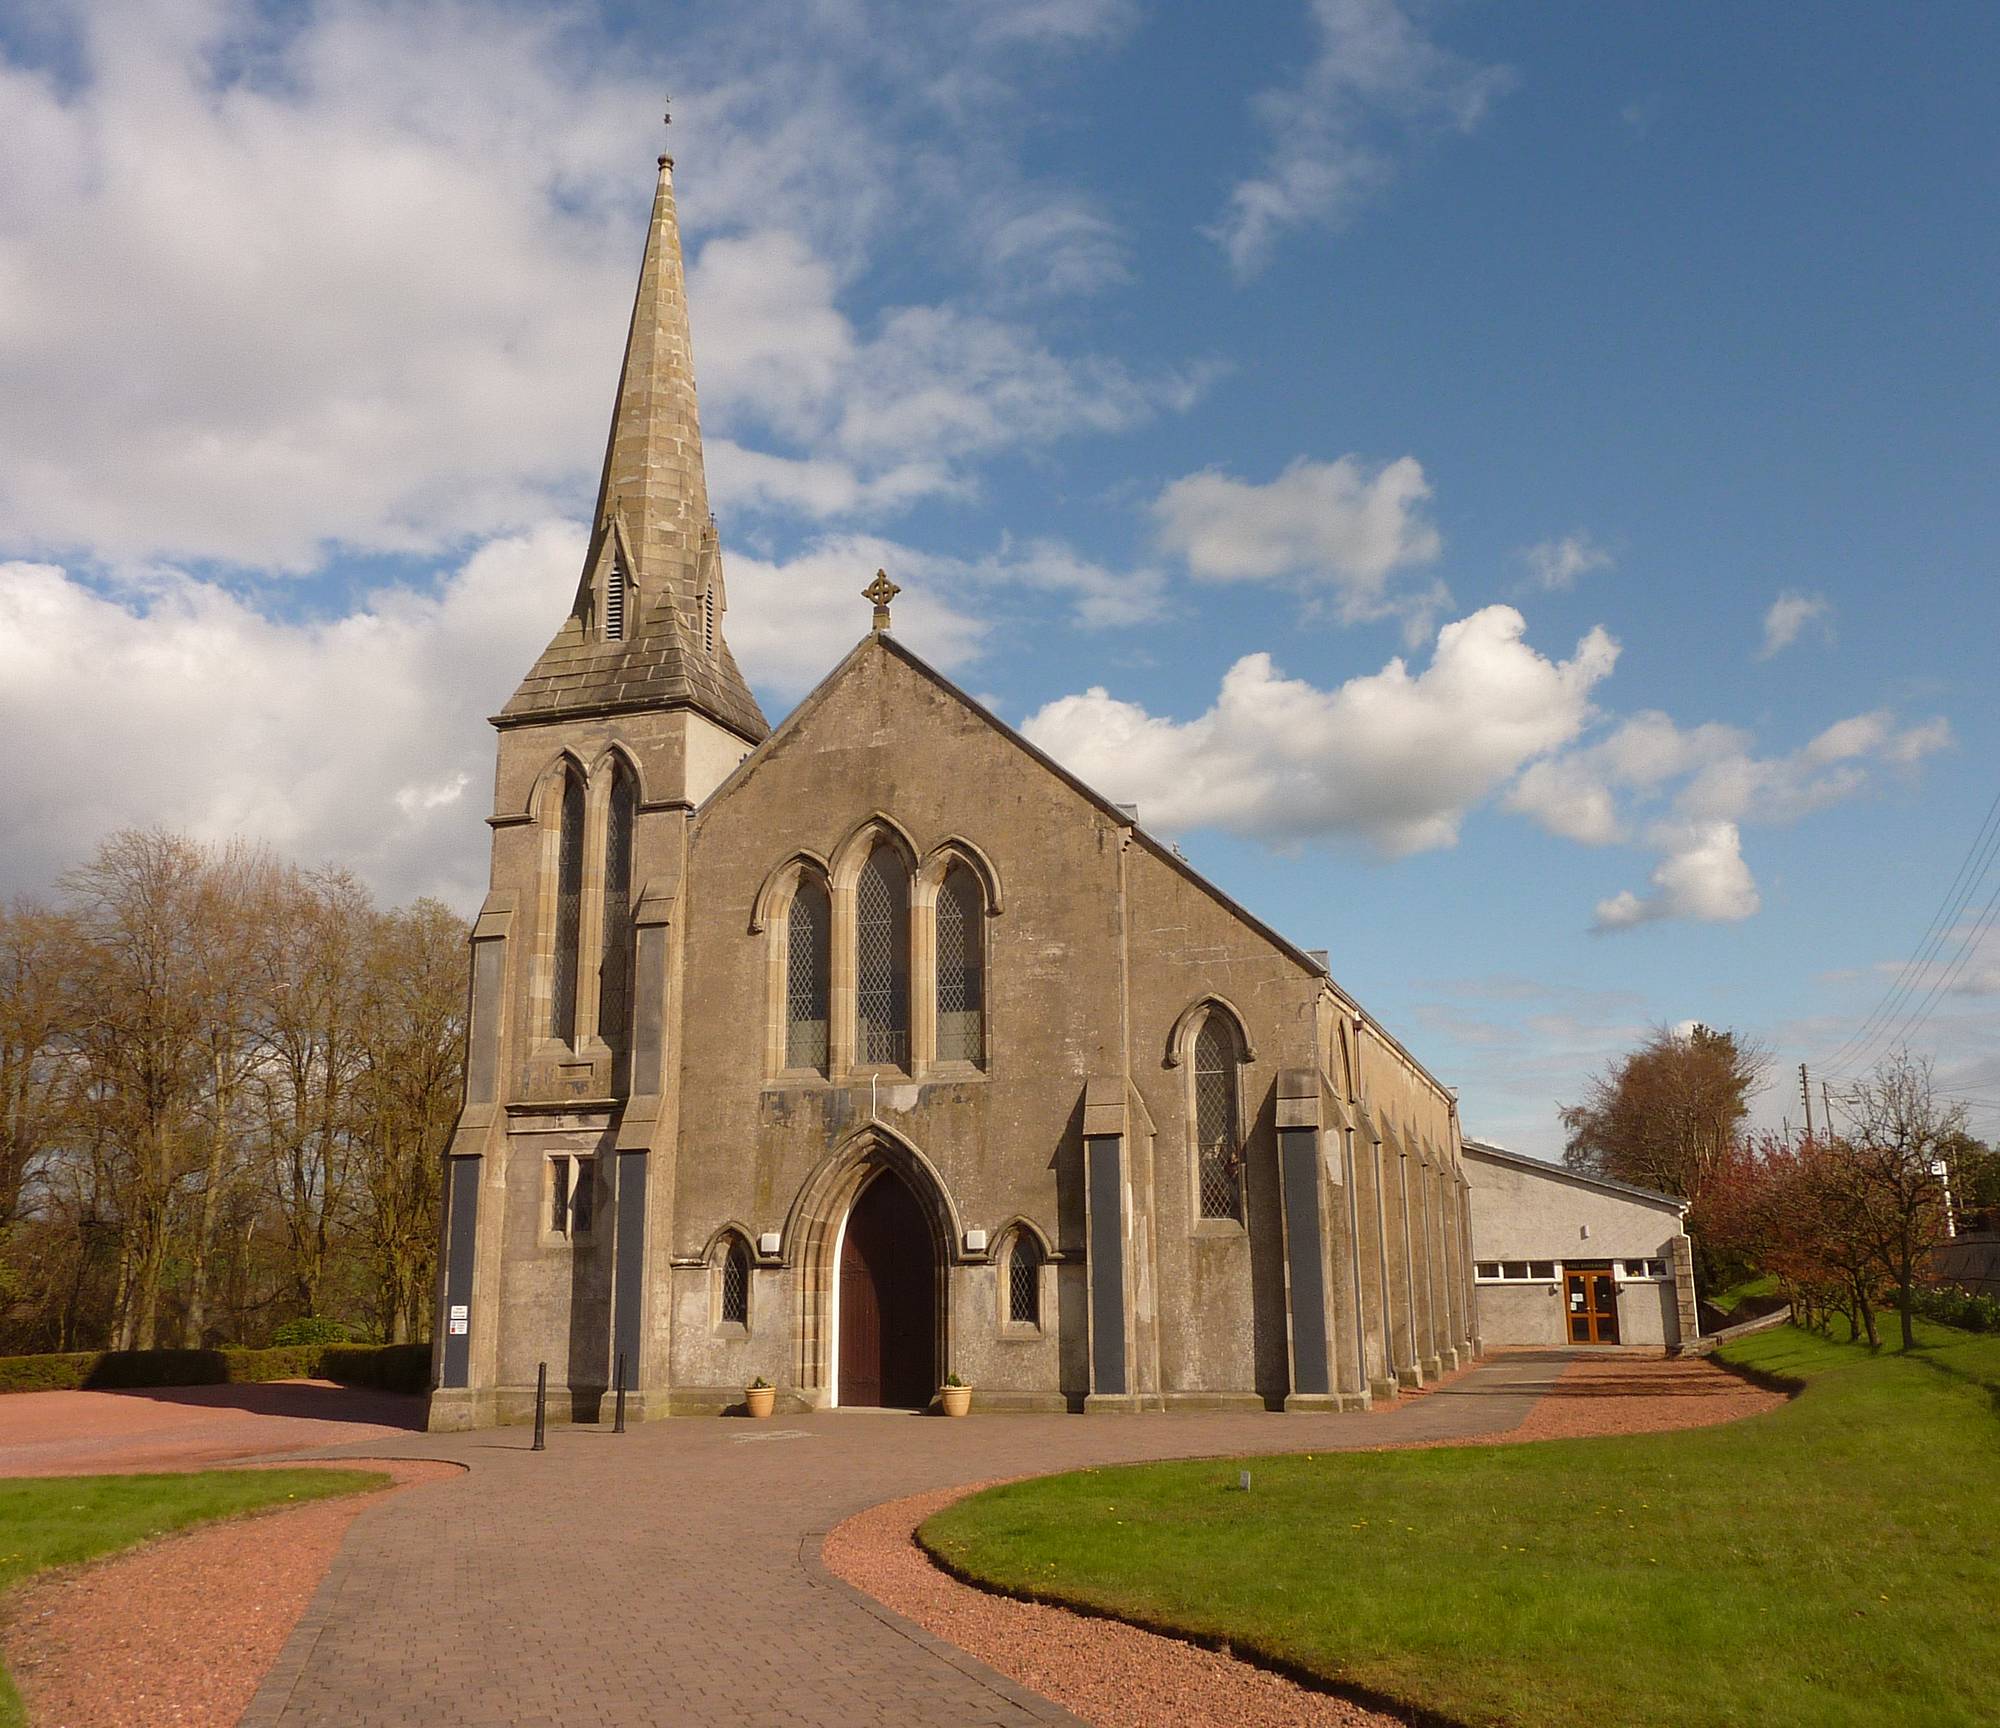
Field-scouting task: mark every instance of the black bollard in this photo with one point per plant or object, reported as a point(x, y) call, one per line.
point(618, 1420)
point(541, 1407)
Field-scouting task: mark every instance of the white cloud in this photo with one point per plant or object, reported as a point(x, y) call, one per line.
point(1335, 530)
point(1790, 613)
point(1053, 20)
point(1713, 783)
point(1702, 876)
point(790, 621)
point(1556, 564)
point(355, 276)
point(1392, 759)
point(1375, 82)
point(354, 738)
point(361, 737)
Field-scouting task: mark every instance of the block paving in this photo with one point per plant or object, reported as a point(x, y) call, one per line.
point(671, 1574)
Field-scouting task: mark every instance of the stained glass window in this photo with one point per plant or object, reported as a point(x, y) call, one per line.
point(1024, 1280)
point(614, 972)
point(1220, 1159)
point(569, 909)
point(882, 959)
point(806, 977)
point(961, 996)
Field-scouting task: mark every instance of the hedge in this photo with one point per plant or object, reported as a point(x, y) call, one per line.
point(391, 1367)
point(1950, 1306)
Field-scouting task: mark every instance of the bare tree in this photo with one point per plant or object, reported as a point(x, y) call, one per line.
point(1897, 1133)
point(37, 948)
point(138, 1016)
point(413, 1042)
point(309, 1008)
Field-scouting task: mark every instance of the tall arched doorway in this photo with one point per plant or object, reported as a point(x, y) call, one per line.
point(888, 1300)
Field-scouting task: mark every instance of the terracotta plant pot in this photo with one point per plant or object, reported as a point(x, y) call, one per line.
point(955, 1400)
point(760, 1400)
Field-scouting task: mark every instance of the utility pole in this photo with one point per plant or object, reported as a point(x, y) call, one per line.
point(1805, 1093)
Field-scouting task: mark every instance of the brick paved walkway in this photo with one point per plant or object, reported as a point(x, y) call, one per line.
point(671, 1574)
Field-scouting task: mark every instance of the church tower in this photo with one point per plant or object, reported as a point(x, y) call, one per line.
point(632, 715)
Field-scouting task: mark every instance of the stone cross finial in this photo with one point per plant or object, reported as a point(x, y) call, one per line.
point(881, 591)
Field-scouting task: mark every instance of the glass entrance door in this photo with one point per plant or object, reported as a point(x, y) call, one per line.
point(1591, 1304)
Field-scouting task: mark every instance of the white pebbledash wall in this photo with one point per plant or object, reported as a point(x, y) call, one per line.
point(1526, 1210)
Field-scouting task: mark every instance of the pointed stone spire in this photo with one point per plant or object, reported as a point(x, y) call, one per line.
point(646, 626)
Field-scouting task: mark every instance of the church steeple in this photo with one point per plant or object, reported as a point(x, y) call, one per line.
point(645, 629)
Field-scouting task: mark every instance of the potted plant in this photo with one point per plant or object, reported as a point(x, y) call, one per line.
point(760, 1397)
point(955, 1396)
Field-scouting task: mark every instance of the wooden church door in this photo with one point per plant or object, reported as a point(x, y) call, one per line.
point(888, 1301)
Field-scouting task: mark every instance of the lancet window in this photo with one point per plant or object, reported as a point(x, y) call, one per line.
point(808, 929)
point(615, 967)
point(569, 908)
point(1024, 1280)
point(1218, 1136)
point(961, 969)
point(734, 1305)
point(882, 959)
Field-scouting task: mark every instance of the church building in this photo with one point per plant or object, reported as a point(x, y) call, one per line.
point(876, 1047)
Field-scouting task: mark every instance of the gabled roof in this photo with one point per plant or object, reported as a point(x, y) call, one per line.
point(652, 534)
point(881, 641)
point(1563, 1173)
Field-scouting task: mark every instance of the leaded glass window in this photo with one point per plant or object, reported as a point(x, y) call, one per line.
point(807, 929)
point(882, 959)
point(615, 969)
point(736, 1286)
point(961, 993)
point(1024, 1280)
point(569, 909)
point(1220, 1159)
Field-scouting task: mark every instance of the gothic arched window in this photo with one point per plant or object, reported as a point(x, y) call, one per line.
point(569, 907)
point(1218, 1141)
point(1024, 1280)
point(961, 970)
point(615, 965)
point(734, 1304)
point(808, 926)
point(882, 959)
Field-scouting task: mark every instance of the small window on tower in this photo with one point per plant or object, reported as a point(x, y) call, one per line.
point(614, 606)
point(708, 620)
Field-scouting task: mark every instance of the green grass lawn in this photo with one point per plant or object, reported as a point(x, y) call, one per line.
point(1833, 1562)
point(65, 1520)
point(1731, 1299)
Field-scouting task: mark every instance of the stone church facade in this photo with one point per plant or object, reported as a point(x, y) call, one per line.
point(878, 1047)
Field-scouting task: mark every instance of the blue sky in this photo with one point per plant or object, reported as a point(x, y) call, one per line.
point(1509, 489)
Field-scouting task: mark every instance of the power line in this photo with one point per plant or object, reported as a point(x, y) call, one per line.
point(1974, 938)
point(1971, 875)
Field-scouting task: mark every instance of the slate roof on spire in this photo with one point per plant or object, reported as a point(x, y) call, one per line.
point(652, 529)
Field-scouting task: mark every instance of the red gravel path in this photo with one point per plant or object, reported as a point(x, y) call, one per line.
point(1117, 1676)
point(182, 1630)
point(1600, 1395)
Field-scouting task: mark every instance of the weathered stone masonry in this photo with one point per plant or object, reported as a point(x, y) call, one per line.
point(728, 979)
